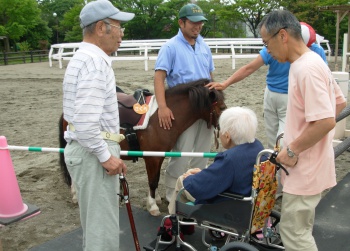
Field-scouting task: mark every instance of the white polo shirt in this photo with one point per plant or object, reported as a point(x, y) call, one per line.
point(89, 99)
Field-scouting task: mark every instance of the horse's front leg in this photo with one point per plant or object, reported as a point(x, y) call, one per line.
point(151, 204)
point(153, 166)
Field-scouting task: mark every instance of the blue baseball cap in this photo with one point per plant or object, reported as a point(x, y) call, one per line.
point(98, 10)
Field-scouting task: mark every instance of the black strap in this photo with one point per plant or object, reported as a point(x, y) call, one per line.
point(279, 165)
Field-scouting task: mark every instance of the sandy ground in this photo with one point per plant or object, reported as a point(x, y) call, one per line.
point(30, 106)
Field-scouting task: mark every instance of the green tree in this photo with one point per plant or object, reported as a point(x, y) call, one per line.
point(223, 21)
point(37, 35)
point(324, 22)
point(251, 12)
point(153, 18)
point(18, 18)
point(54, 11)
point(71, 24)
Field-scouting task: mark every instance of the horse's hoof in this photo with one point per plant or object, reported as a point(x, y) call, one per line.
point(152, 207)
point(157, 197)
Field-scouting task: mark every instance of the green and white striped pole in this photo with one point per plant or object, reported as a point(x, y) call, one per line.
point(122, 153)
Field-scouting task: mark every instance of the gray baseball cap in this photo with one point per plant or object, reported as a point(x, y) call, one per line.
point(98, 10)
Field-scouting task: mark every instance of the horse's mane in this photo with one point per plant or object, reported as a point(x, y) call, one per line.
point(197, 92)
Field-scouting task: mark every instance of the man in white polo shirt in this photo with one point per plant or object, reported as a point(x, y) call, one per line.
point(90, 107)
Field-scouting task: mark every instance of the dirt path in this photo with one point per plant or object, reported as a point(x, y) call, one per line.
point(30, 106)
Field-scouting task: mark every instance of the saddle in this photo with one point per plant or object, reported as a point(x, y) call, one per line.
point(128, 117)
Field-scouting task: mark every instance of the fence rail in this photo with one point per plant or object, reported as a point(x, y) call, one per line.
point(237, 48)
point(21, 57)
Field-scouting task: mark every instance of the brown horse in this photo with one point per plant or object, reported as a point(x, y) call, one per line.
point(188, 102)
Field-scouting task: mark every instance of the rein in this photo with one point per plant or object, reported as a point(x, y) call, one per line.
point(212, 115)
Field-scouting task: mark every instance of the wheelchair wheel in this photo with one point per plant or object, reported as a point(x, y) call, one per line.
point(274, 237)
point(238, 246)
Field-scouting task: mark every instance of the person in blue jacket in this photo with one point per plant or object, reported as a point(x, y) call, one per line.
point(232, 170)
point(319, 50)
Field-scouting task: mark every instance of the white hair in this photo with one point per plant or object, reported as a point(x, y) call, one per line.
point(240, 123)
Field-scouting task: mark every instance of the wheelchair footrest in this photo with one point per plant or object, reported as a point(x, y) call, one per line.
point(152, 245)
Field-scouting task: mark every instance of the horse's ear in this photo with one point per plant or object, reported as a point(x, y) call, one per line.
point(213, 96)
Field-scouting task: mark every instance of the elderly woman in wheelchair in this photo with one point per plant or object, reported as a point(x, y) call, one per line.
point(223, 197)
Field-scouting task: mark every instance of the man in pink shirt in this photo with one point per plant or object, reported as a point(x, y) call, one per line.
point(314, 100)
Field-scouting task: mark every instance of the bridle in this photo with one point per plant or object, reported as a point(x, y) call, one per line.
point(214, 116)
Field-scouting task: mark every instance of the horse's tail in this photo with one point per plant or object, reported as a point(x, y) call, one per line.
point(63, 143)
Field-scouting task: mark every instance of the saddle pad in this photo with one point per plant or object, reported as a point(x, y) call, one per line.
point(142, 119)
point(153, 106)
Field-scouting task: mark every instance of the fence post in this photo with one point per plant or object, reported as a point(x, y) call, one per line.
point(31, 56)
point(342, 79)
point(5, 58)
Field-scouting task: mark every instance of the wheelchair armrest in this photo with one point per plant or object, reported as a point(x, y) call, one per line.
point(179, 193)
point(224, 194)
point(232, 195)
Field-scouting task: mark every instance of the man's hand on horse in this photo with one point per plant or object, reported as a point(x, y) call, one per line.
point(218, 86)
point(165, 116)
point(114, 166)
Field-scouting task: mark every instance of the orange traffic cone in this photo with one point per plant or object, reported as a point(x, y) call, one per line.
point(12, 208)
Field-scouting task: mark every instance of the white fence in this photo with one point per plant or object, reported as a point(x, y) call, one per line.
point(147, 50)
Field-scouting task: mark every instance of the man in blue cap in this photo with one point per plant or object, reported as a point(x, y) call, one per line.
point(184, 58)
point(92, 154)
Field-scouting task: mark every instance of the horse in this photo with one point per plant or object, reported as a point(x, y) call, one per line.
point(188, 102)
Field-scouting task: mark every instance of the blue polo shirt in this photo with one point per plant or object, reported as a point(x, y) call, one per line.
point(183, 64)
point(277, 75)
point(319, 50)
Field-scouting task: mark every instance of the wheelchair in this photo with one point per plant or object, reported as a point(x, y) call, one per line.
point(237, 222)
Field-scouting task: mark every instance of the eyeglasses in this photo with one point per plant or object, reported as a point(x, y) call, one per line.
point(267, 41)
point(116, 26)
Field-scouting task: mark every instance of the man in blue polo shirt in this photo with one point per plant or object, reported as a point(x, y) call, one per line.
point(184, 58)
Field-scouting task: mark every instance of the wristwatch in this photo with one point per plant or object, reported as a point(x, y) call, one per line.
point(290, 152)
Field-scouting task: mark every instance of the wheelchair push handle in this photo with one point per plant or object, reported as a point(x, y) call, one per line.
point(272, 158)
point(279, 165)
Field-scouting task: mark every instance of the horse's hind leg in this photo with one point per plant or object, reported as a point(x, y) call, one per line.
point(62, 125)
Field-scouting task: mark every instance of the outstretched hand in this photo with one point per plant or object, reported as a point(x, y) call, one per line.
point(216, 85)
